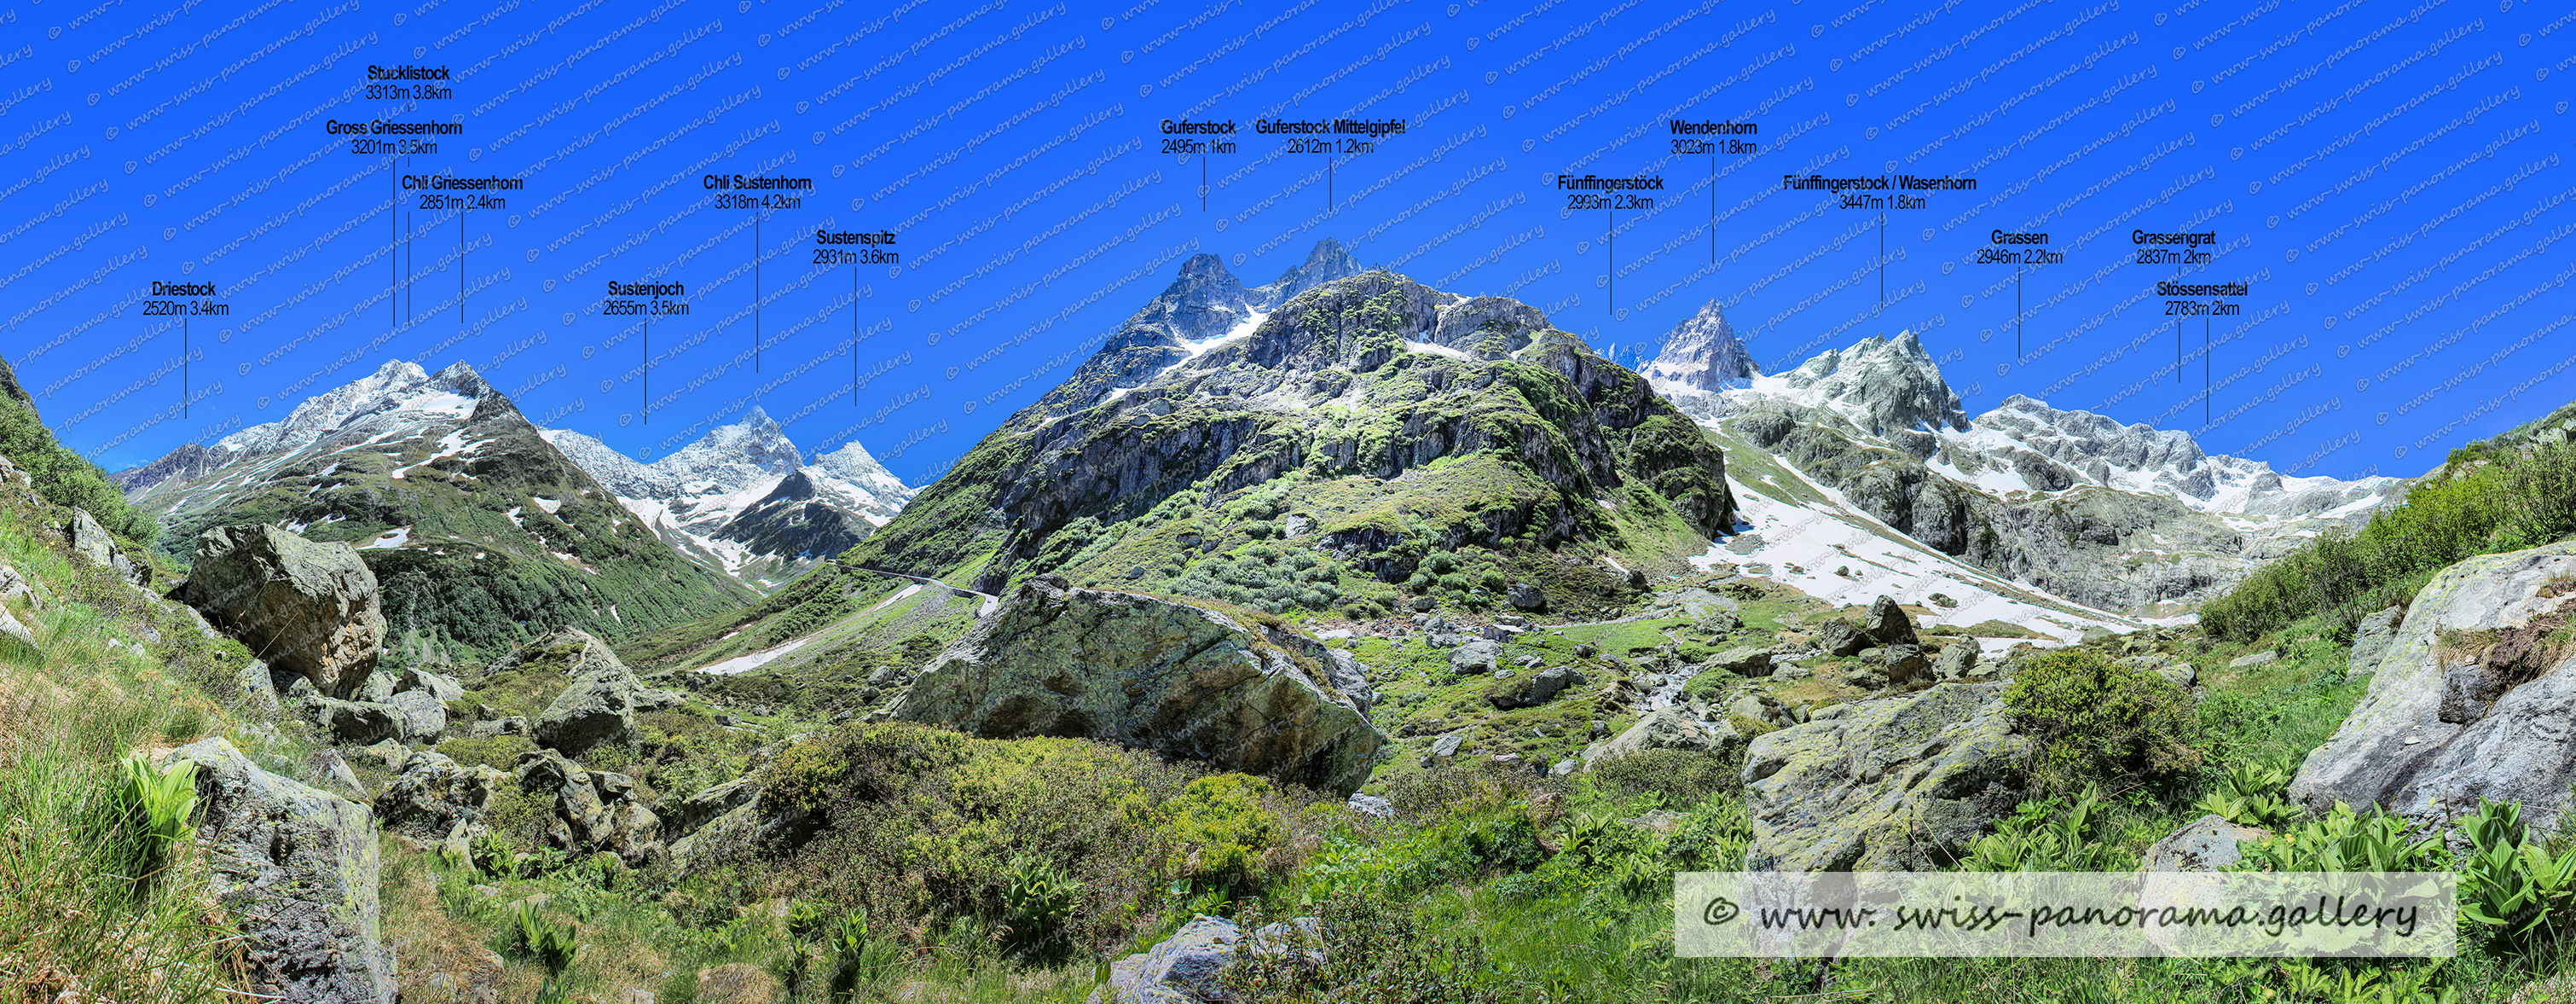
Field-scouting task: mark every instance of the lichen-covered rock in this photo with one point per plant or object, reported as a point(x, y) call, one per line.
point(1906, 664)
point(2206, 844)
point(1524, 596)
point(1539, 688)
point(1957, 660)
point(420, 717)
point(304, 607)
point(296, 866)
point(593, 810)
point(1152, 674)
point(1187, 967)
point(601, 703)
point(1744, 660)
point(2468, 701)
point(2371, 637)
point(330, 771)
point(258, 691)
point(439, 801)
point(357, 723)
point(437, 685)
point(1887, 785)
point(1476, 657)
point(89, 540)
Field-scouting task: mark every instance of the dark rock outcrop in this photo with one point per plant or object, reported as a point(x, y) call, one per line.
point(1887, 623)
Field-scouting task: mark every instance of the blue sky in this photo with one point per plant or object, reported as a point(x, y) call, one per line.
point(2388, 179)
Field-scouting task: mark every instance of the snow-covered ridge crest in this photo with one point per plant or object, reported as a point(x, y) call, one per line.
point(399, 387)
point(716, 497)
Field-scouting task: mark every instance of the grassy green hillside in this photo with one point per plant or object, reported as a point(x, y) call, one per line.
point(1319, 464)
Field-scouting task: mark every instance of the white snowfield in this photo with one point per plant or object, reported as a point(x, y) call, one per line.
point(1808, 546)
point(1811, 536)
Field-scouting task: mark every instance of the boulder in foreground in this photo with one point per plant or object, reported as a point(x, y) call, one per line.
point(2470, 699)
point(304, 607)
point(1897, 784)
point(297, 867)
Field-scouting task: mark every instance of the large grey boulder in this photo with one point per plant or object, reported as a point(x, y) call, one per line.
point(1476, 657)
point(1153, 674)
point(420, 717)
point(439, 801)
point(357, 723)
point(1524, 596)
point(1906, 664)
point(1957, 659)
point(296, 867)
point(2206, 844)
point(1887, 623)
point(600, 705)
point(89, 540)
point(1666, 728)
point(1888, 785)
point(2468, 701)
point(1839, 637)
point(304, 607)
point(1534, 690)
point(1745, 660)
point(1187, 967)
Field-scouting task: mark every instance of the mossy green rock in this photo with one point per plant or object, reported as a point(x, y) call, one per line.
point(1900, 784)
point(601, 703)
point(296, 866)
point(1149, 673)
point(439, 801)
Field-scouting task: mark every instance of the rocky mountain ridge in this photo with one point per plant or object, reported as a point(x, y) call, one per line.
point(2127, 519)
point(743, 500)
point(1386, 420)
point(478, 526)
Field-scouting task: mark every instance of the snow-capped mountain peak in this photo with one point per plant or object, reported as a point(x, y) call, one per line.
point(397, 387)
point(726, 498)
point(1702, 353)
point(2025, 445)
